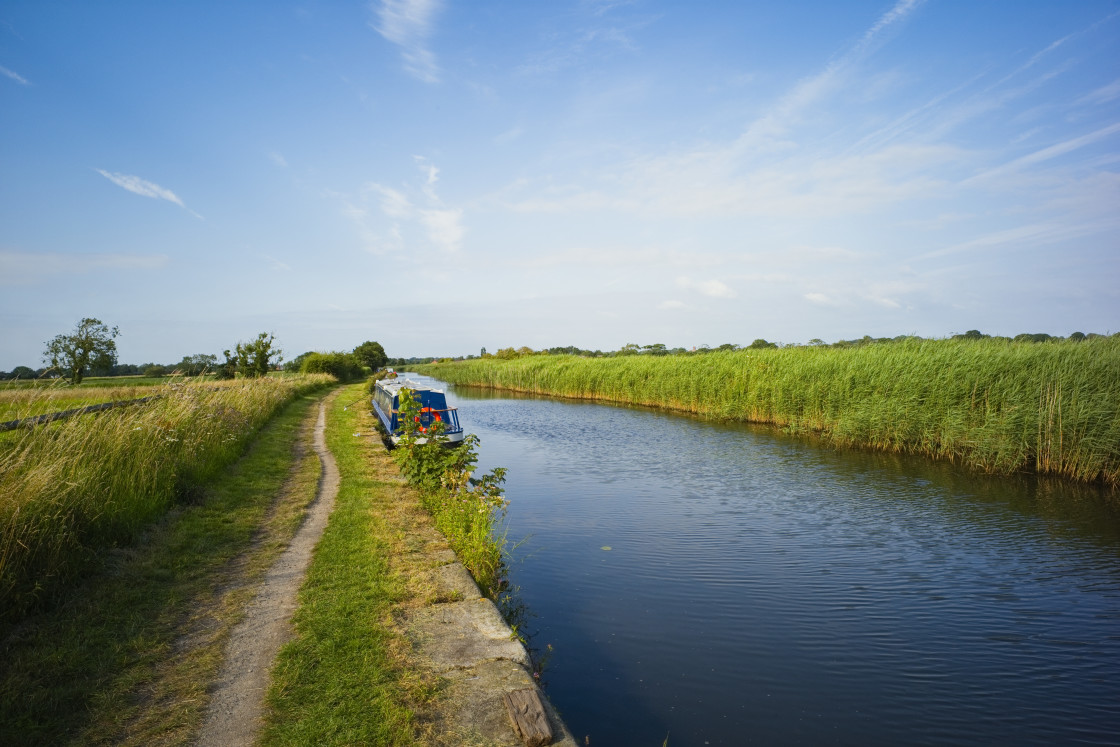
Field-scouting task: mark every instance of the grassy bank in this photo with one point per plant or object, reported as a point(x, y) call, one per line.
point(344, 679)
point(992, 405)
point(74, 487)
point(128, 655)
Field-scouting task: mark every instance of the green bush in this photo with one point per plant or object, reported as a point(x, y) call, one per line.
point(343, 366)
point(467, 510)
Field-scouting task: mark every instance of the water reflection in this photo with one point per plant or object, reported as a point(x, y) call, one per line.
point(762, 588)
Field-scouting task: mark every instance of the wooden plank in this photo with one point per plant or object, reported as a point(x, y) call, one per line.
point(529, 719)
point(50, 417)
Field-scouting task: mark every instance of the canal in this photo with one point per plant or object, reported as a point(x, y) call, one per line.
point(724, 584)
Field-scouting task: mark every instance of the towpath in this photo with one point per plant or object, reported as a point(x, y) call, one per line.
point(453, 632)
point(234, 715)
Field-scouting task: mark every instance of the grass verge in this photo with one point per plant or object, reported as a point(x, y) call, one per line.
point(127, 657)
point(344, 678)
point(70, 489)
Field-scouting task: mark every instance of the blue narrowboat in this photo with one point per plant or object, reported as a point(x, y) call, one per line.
point(433, 409)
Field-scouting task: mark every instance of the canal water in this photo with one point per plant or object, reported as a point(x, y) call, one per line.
point(726, 584)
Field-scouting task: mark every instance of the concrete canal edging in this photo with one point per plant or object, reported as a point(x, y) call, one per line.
point(461, 637)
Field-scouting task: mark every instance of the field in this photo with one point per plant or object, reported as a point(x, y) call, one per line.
point(991, 405)
point(76, 486)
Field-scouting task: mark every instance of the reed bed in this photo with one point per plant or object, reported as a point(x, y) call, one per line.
point(74, 487)
point(992, 405)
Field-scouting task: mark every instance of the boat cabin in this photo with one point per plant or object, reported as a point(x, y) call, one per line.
point(433, 409)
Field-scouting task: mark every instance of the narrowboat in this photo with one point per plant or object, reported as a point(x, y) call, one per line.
point(433, 409)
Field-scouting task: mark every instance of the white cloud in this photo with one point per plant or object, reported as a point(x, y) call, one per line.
point(408, 23)
point(20, 268)
point(401, 215)
point(818, 298)
point(1102, 95)
point(710, 288)
point(445, 227)
point(1050, 152)
point(14, 76)
point(142, 187)
point(276, 264)
point(278, 159)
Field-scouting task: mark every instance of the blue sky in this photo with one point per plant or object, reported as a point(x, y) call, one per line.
point(442, 176)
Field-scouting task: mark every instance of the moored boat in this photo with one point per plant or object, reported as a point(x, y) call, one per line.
point(433, 409)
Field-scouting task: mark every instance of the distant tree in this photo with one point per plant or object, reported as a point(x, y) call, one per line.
point(972, 334)
point(90, 345)
point(228, 368)
point(816, 342)
point(1077, 336)
point(482, 354)
point(22, 372)
point(195, 365)
point(155, 370)
point(760, 344)
point(728, 346)
point(255, 358)
point(295, 364)
point(371, 354)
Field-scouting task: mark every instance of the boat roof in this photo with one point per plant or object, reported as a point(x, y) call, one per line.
point(393, 386)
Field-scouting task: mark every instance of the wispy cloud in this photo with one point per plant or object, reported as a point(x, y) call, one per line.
point(278, 159)
point(14, 76)
point(1053, 151)
point(710, 288)
point(145, 188)
point(276, 264)
point(408, 24)
point(385, 216)
point(22, 268)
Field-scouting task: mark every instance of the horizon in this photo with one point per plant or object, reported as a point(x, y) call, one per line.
point(440, 176)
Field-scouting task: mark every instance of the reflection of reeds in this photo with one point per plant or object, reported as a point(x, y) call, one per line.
point(77, 485)
point(993, 405)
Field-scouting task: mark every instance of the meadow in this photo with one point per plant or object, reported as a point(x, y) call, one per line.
point(72, 488)
point(993, 405)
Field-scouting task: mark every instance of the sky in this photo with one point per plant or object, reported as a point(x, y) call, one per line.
point(443, 176)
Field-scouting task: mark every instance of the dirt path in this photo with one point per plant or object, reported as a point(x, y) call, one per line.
point(234, 715)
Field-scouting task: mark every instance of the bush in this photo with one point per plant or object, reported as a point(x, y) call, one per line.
point(467, 510)
point(343, 366)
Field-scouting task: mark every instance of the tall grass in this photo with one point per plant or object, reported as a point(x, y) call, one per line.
point(991, 405)
point(466, 509)
point(73, 487)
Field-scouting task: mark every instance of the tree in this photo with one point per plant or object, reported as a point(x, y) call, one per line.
point(90, 345)
point(371, 354)
point(254, 358)
point(196, 365)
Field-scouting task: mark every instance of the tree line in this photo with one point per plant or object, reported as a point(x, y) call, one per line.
point(757, 344)
point(90, 349)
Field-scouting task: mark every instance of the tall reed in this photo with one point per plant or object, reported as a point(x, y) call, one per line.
point(992, 405)
point(73, 487)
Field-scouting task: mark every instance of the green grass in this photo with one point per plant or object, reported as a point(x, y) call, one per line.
point(344, 678)
point(127, 656)
point(74, 487)
point(991, 405)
